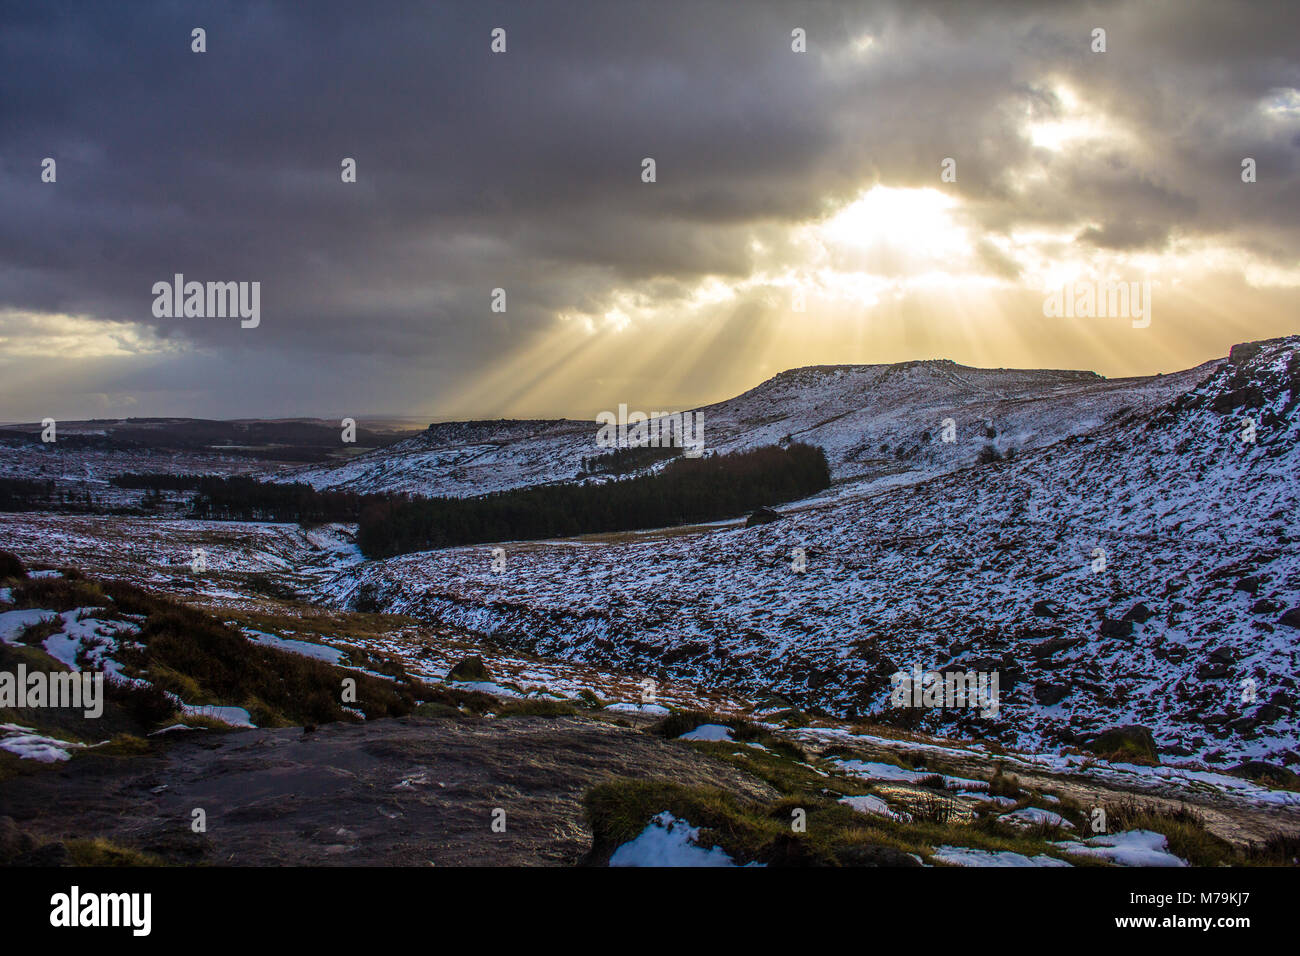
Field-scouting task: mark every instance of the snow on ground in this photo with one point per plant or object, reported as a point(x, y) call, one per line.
point(656, 710)
point(159, 552)
point(995, 567)
point(967, 856)
point(233, 716)
point(668, 841)
point(1130, 848)
point(319, 652)
point(1122, 775)
point(870, 419)
point(1030, 817)
point(708, 732)
point(874, 806)
point(84, 637)
point(874, 770)
point(28, 745)
point(488, 687)
point(12, 623)
point(172, 728)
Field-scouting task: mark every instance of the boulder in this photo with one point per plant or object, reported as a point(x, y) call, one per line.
point(11, 566)
point(1046, 609)
point(1049, 694)
point(469, 669)
point(870, 854)
point(763, 516)
point(1118, 629)
point(1268, 774)
point(1129, 742)
point(1138, 613)
point(1047, 649)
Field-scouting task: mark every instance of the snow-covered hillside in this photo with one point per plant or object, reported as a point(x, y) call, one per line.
point(876, 422)
point(1140, 570)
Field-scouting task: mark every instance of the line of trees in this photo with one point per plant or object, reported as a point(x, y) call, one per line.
point(620, 461)
point(22, 494)
point(242, 498)
point(156, 481)
point(685, 491)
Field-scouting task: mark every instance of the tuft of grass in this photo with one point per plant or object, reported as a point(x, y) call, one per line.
point(1281, 849)
point(588, 699)
point(749, 831)
point(58, 594)
point(618, 810)
point(537, 707)
point(124, 745)
point(437, 709)
point(1182, 827)
point(684, 721)
point(34, 634)
point(1005, 785)
point(102, 852)
point(932, 808)
point(11, 566)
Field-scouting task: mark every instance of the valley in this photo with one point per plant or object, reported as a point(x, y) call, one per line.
point(1117, 551)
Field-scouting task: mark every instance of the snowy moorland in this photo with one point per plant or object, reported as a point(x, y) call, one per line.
point(1140, 572)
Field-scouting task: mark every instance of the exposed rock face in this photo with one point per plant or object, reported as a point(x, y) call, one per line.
point(402, 792)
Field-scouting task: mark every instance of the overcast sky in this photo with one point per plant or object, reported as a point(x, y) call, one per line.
point(779, 175)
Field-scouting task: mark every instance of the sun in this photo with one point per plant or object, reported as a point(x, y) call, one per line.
point(896, 230)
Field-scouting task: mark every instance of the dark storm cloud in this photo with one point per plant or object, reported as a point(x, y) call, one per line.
point(522, 170)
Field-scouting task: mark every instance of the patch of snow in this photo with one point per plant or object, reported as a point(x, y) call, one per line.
point(1130, 848)
point(657, 710)
point(95, 640)
point(875, 806)
point(488, 687)
point(12, 623)
point(28, 745)
point(1034, 817)
point(319, 652)
point(967, 856)
point(709, 732)
point(668, 841)
point(173, 728)
point(233, 716)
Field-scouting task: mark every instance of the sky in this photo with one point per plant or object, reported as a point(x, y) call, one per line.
point(801, 210)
